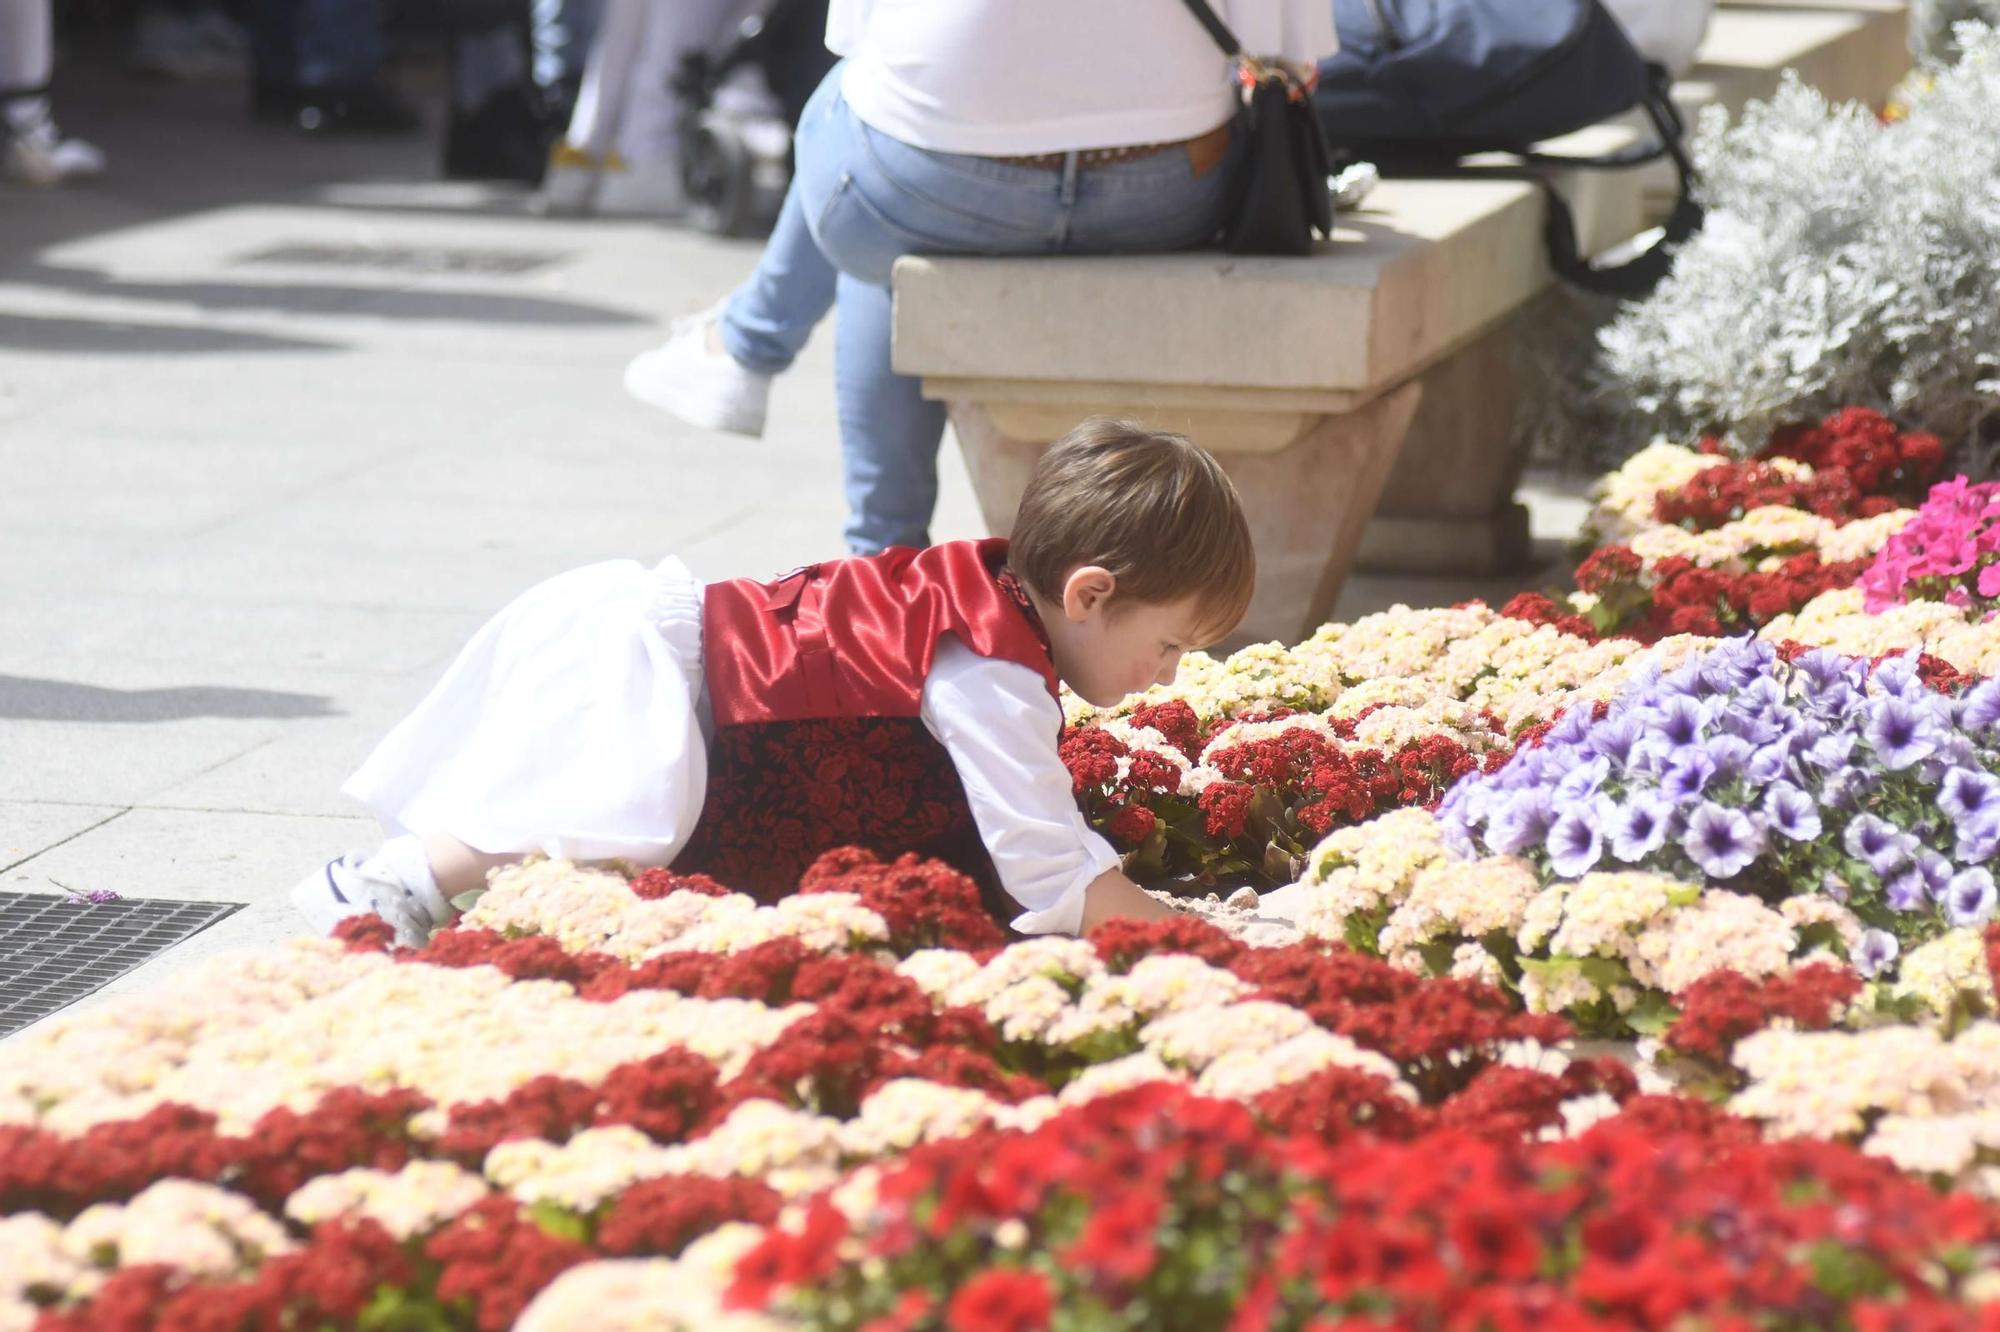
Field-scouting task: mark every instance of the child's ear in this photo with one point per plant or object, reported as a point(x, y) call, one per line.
point(1087, 589)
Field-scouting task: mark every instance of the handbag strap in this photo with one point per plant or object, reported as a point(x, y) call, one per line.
point(1217, 29)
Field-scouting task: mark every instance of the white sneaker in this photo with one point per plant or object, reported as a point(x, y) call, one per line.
point(639, 189)
point(703, 388)
point(358, 885)
point(569, 186)
point(39, 155)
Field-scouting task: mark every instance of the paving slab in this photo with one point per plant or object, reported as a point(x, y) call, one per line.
point(30, 827)
point(193, 855)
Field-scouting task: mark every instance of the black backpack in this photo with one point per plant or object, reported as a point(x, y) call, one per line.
point(1419, 84)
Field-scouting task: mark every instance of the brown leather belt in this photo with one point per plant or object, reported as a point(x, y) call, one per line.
point(1204, 151)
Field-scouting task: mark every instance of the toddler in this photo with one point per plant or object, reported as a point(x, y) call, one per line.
point(905, 701)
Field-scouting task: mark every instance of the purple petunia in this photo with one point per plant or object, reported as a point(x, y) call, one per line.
point(1575, 845)
point(1965, 792)
point(1901, 732)
point(1876, 950)
point(1687, 776)
point(1980, 710)
point(1681, 721)
point(1969, 899)
point(1908, 891)
point(1639, 826)
point(1521, 822)
point(1885, 847)
point(1723, 841)
point(1792, 812)
point(1582, 781)
point(1612, 739)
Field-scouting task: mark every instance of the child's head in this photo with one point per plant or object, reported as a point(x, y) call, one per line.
point(1135, 544)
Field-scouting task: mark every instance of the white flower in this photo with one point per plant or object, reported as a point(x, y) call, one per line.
point(408, 1203)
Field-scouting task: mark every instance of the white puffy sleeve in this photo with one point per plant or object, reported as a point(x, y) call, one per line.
point(1000, 726)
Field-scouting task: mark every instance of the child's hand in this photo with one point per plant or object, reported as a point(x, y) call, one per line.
point(1112, 896)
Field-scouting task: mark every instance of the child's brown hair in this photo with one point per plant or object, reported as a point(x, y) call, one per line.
point(1152, 508)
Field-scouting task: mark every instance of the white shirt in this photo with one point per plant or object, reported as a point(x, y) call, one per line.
point(1002, 78)
point(999, 724)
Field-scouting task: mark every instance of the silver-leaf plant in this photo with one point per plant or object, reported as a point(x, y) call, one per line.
point(1934, 25)
point(1843, 261)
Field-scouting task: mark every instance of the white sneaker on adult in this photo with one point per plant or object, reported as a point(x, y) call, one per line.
point(359, 885)
point(705, 388)
point(639, 189)
point(569, 185)
point(38, 155)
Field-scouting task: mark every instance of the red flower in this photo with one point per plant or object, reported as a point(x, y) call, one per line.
point(1001, 1299)
point(1723, 1007)
point(1120, 1240)
point(497, 1260)
point(1606, 566)
point(1496, 1242)
point(1132, 825)
point(657, 883)
point(664, 1215)
point(1227, 805)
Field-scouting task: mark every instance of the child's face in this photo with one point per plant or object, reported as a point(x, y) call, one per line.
point(1106, 649)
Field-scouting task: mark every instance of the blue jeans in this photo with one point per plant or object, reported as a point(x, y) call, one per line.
point(861, 200)
point(318, 43)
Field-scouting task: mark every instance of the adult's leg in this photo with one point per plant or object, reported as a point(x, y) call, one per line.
point(889, 434)
point(766, 322)
point(27, 54)
point(887, 199)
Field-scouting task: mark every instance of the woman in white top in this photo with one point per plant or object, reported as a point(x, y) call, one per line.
point(967, 127)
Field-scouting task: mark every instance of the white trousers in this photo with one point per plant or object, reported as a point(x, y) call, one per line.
point(627, 102)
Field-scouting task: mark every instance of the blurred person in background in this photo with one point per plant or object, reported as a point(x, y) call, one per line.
point(319, 65)
point(515, 69)
point(187, 40)
point(620, 153)
point(32, 150)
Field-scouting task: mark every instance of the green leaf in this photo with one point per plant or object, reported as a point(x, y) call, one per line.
point(559, 1221)
point(465, 901)
point(1653, 1014)
point(1552, 971)
point(1437, 954)
point(1821, 934)
point(1363, 932)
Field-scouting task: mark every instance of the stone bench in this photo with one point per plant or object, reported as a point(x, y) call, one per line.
point(1304, 376)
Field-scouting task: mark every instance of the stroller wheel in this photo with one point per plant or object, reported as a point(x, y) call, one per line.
point(736, 173)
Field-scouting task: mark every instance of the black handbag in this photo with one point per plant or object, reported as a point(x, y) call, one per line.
point(1279, 197)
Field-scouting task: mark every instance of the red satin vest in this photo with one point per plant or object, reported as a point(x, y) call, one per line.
point(855, 638)
point(816, 684)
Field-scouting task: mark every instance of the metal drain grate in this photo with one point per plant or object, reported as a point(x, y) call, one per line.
point(443, 259)
point(55, 950)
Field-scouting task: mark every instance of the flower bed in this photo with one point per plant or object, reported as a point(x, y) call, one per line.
point(654, 1104)
point(651, 1103)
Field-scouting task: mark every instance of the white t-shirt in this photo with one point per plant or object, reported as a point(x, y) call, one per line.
point(999, 724)
point(1004, 78)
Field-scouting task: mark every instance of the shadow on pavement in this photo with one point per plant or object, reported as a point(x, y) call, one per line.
point(24, 698)
point(69, 336)
point(399, 303)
